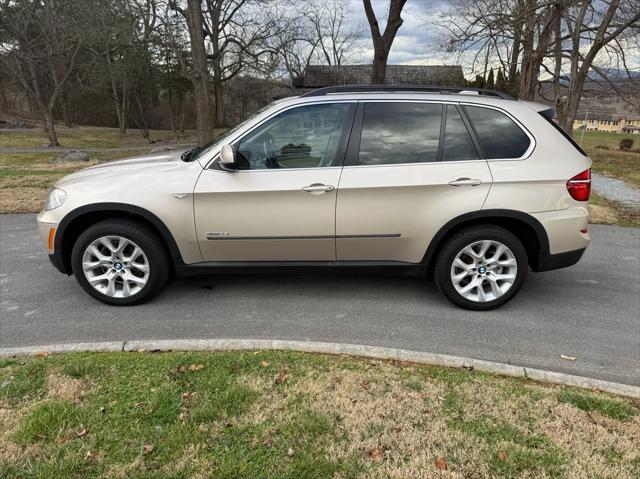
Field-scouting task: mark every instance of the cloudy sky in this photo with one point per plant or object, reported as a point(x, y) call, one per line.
point(416, 42)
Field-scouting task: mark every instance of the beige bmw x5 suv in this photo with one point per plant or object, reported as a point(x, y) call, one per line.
point(470, 185)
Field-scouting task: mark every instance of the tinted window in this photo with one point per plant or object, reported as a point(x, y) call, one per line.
point(499, 135)
point(395, 133)
point(304, 137)
point(457, 141)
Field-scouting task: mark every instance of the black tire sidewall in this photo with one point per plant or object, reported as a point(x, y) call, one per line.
point(140, 235)
point(466, 237)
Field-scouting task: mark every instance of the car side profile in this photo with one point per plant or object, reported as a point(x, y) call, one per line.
point(472, 186)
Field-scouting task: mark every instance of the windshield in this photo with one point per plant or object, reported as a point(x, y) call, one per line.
point(203, 151)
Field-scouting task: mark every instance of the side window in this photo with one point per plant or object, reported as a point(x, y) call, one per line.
point(499, 135)
point(304, 137)
point(395, 133)
point(457, 145)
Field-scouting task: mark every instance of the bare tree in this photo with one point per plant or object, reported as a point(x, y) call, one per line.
point(382, 42)
point(591, 27)
point(564, 39)
point(333, 35)
point(196, 69)
point(41, 42)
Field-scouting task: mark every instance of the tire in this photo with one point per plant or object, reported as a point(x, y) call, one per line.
point(496, 280)
point(138, 274)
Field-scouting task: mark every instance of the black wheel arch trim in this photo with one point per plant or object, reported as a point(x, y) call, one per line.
point(60, 254)
point(495, 214)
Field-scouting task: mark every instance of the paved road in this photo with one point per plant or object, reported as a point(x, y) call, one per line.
point(591, 311)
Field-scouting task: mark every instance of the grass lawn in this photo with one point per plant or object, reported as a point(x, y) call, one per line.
point(608, 159)
point(283, 414)
point(87, 136)
point(26, 177)
point(603, 211)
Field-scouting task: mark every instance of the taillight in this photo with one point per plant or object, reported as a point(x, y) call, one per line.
point(579, 187)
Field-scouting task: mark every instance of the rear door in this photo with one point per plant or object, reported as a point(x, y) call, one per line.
point(411, 167)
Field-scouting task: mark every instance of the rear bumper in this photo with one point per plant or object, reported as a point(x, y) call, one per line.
point(548, 261)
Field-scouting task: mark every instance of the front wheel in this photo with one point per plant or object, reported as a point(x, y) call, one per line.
point(120, 262)
point(481, 267)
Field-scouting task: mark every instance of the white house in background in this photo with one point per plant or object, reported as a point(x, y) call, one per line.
point(610, 123)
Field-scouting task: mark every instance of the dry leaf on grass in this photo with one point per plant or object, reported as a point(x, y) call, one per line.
point(374, 454)
point(265, 364)
point(290, 452)
point(90, 455)
point(254, 442)
point(196, 367)
point(441, 464)
point(502, 456)
point(82, 432)
point(267, 442)
point(282, 377)
point(147, 448)
point(182, 369)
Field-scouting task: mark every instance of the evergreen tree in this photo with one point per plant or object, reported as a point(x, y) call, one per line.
point(490, 80)
point(501, 84)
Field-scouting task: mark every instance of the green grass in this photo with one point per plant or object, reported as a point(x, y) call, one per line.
point(174, 415)
point(608, 159)
point(612, 408)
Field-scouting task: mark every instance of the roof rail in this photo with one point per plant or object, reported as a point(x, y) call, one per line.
point(406, 88)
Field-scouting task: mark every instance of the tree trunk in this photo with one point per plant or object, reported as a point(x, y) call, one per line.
point(49, 128)
point(379, 70)
point(200, 76)
point(64, 106)
point(382, 42)
point(172, 119)
point(217, 90)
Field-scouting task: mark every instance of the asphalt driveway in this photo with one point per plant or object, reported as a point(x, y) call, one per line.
point(590, 311)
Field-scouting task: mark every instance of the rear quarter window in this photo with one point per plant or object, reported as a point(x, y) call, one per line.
point(499, 135)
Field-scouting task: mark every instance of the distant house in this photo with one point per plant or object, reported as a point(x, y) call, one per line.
point(318, 76)
point(610, 123)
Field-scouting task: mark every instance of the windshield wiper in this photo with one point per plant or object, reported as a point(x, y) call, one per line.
point(189, 155)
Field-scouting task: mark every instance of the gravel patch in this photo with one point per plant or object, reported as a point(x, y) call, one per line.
point(616, 190)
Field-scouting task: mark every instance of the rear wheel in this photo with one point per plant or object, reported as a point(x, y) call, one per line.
point(481, 268)
point(120, 262)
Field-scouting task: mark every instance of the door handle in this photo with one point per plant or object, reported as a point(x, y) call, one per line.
point(465, 182)
point(318, 188)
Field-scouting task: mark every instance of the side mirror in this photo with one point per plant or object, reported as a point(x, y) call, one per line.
point(227, 158)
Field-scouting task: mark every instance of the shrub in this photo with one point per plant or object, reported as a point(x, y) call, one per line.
point(626, 143)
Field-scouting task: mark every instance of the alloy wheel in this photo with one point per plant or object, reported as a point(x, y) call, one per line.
point(484, 271)
point(115, 266)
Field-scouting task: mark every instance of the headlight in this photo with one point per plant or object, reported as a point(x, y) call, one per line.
point(55, 199)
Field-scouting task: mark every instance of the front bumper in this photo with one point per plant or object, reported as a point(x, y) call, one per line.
point(56, 261)
point(47, 230)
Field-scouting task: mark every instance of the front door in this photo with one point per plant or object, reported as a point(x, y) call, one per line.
point(415, 168)
point(280, 203)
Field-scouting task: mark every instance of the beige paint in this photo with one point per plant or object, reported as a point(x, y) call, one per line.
point(413, 201)
point(266, 203)
point(148, 182)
